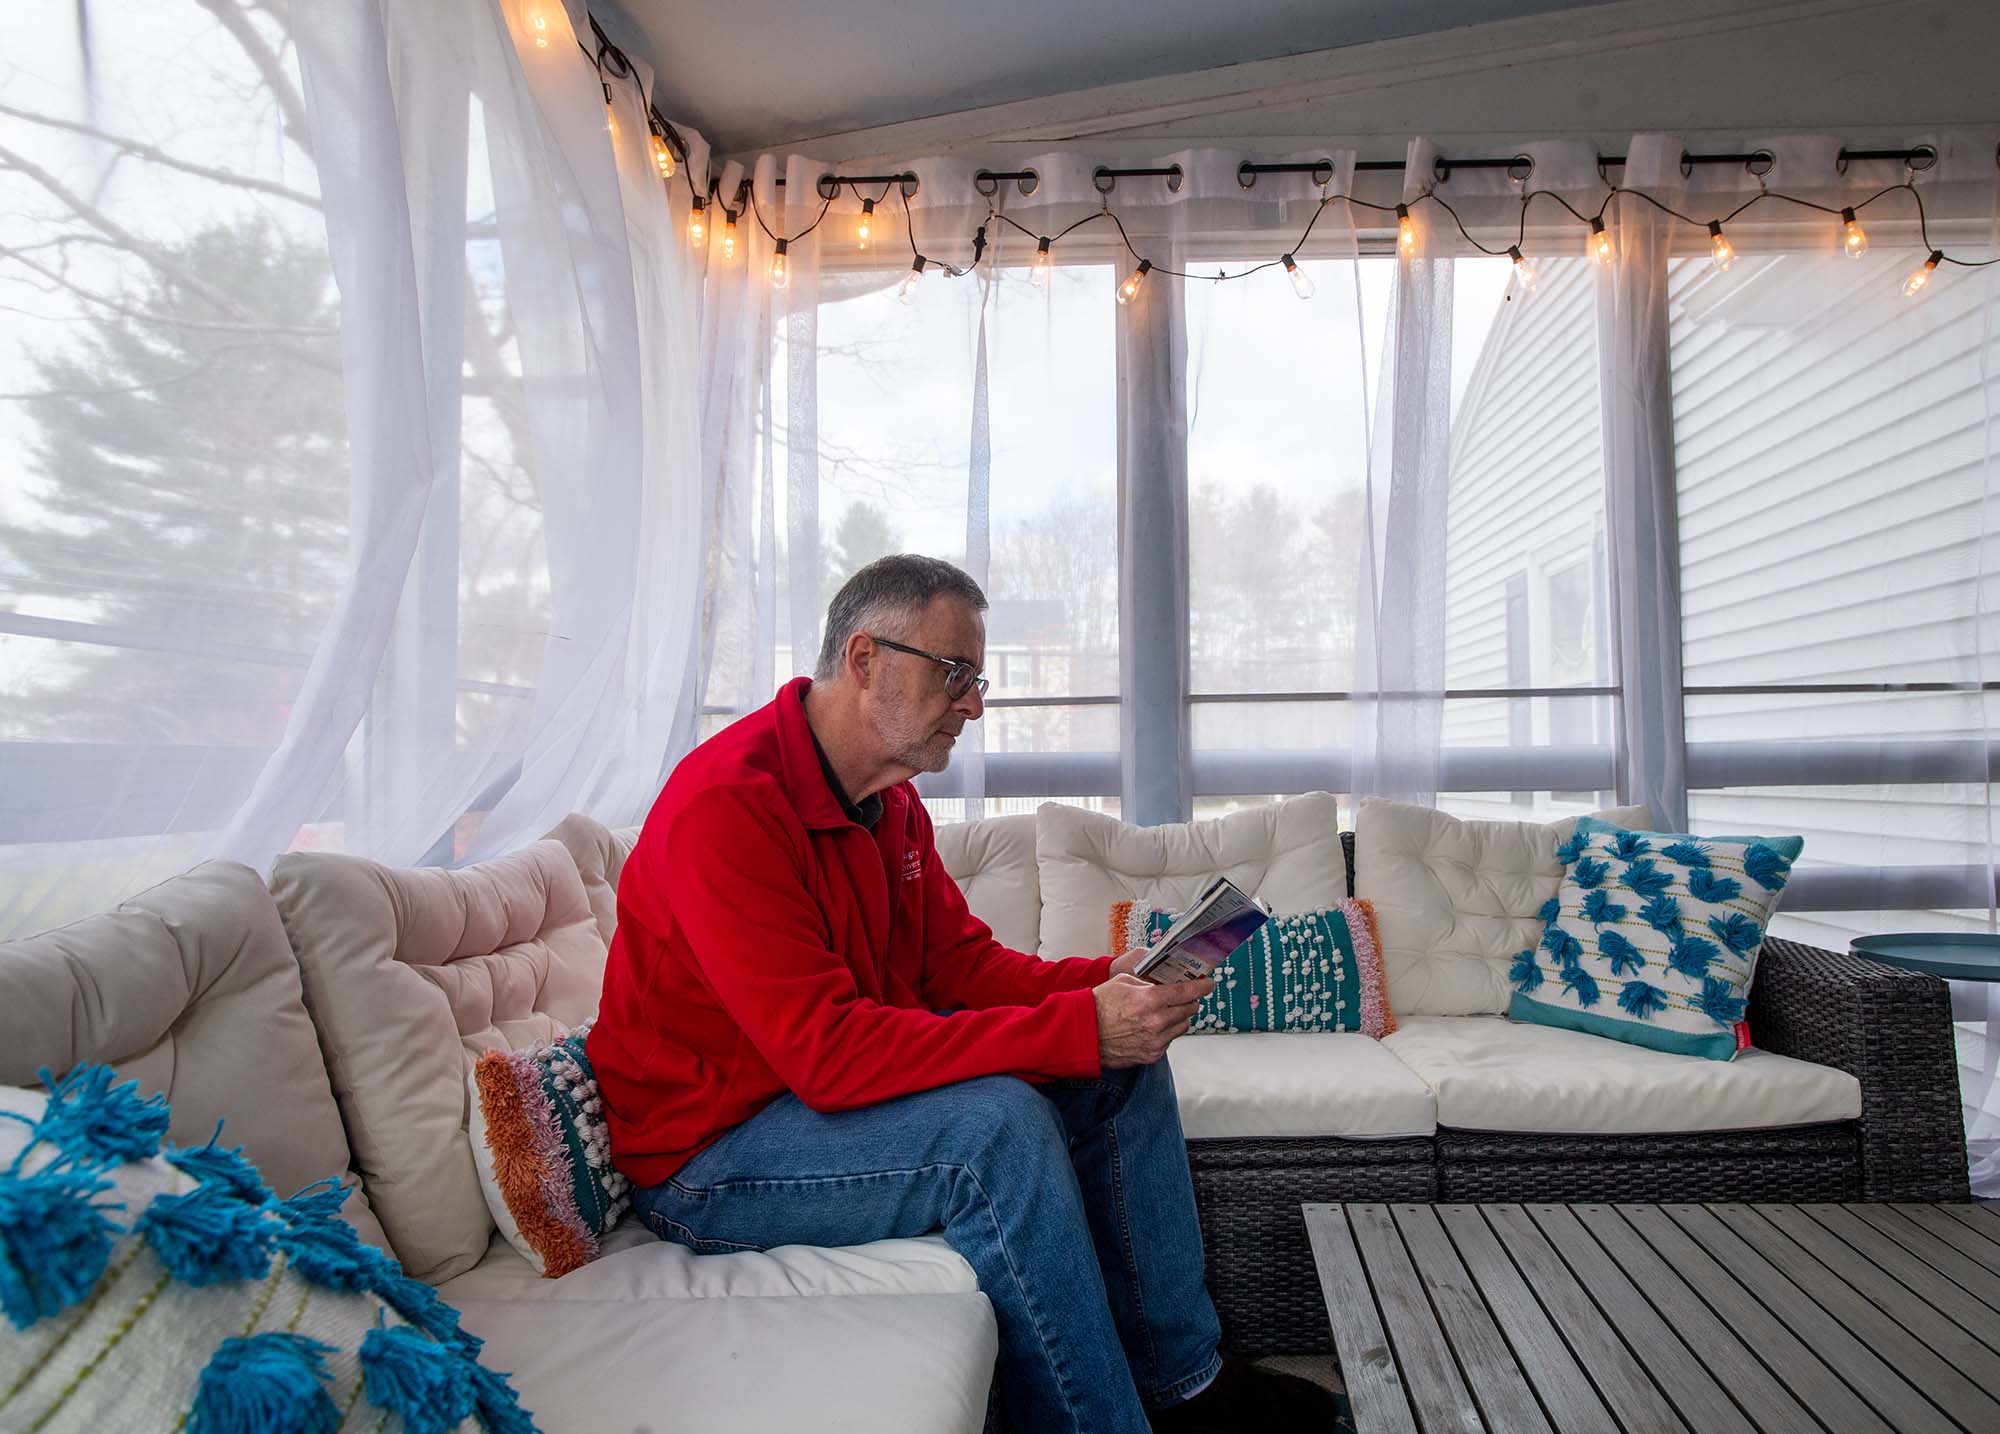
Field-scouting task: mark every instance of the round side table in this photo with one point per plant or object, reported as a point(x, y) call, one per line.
point(1966, 956)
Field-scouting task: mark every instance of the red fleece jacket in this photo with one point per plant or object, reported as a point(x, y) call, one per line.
point(766, 943)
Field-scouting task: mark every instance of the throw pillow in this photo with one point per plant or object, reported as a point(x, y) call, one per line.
point(175, 1290)
point(1652, 937)
point(1311, 971)
point(543, 1151)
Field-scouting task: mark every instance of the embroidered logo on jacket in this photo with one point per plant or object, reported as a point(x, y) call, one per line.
point(913, 865)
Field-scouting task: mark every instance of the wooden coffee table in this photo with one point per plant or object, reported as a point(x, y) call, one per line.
point(1821, 1319)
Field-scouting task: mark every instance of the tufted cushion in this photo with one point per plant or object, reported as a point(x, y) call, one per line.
point(599, 853)
point(190, 989)
point(1286, 854)
point(409, 975)
point(1455, 900)
point(1283, 1083)
point(993, 862)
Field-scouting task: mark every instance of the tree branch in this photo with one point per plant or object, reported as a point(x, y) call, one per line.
point(156, 155)
point(147, 317)
point(269, 67)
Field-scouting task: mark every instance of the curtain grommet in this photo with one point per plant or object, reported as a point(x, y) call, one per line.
point(1440, 170)
point(1760, 163)
point(827, 186)
point(908, 183)
point(1174, 178)
point(1029, 182)
point(1246, 176)
point(985, 185)
point(1923, 157)
point(1103, 180)
point(1326, 165)
point(1522, 169)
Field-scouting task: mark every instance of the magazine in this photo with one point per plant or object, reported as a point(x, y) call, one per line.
point(1201, 938)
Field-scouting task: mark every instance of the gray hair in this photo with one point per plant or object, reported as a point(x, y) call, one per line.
point(889, 593)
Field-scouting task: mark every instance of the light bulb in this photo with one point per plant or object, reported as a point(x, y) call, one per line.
point(1129, 290)
point(1406, 232)
point(698, 223)
point(1038, 269)
point(865, 230)
point(1600, 242)
point(1920, 279)
point(1856, 239)
point(663, 156)
point(1719, 247)
point(780, 271)
point(1301, 281)
point(1524, 272)
point(911, 280)
point(728, 235)
point(539, 23)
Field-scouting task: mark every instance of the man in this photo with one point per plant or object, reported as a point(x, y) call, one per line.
point(806, 1038)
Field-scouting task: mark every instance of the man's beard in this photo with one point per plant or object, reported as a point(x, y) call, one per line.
point(918, 748)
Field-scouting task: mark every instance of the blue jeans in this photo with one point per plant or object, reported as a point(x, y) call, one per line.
point(1038, 1187)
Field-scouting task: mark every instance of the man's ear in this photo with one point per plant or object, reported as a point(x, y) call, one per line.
point(860, 656)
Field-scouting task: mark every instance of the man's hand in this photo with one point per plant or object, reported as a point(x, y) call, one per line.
point(1128, 964)
point(1137, 1021)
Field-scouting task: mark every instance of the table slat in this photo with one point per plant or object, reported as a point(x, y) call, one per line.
point(1962, 1238)
point(1906, 1269)
point(1982, 1285)
point(1437, 1391)
point(1490, 1368)
point(1983, 1218)
point(1367, 1365)
point(1960, 1374)
point(1861, 1367)
point(1764, 1397)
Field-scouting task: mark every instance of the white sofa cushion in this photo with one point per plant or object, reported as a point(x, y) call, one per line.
point(409, 974)
point(599, 853)
point(857, 1364)
point(190, 989)
point(636, 1264)
point(1286, 853)
point(993, 862)
point(1490, 1073)
point(1456, 900)
point(1274, 1083)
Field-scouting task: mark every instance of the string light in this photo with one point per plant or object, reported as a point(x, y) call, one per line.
point(1856, 239)
point(1038, 270)
point(539, 23)
point(1920, 278)
point(697, 222)
point(865, 230)
point(1129, 290)
point(728, 235)
point(1301, 280)
point(663, 156)
point(1524, 272)
point(911, 280)
point(780, 271)
point(1719, 248)
point(1600, 242)
point(1406, 232)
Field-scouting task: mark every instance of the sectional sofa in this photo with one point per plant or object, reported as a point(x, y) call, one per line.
point(330, 1016)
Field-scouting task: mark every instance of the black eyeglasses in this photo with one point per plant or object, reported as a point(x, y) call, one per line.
point(959, 678)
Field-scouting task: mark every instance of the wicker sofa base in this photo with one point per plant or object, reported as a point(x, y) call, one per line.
point(1260, 1266)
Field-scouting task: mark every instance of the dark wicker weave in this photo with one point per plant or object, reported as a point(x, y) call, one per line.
point(1891, 1029)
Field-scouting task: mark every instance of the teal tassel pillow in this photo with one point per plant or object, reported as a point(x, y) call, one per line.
point(1313, 971)
point(176, 1291)
point(1653, 937)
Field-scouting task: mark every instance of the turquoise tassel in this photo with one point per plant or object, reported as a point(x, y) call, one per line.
point(1591, 872)
point(226, 1170)
point(427, 1383)
point(1739, 933)
point(1687, 853)
point(329, 1253)
point(54, 1241)
point(418, 1303)
point(1766, 866)
point(496, 1405)
point(1525, 973)
point(1692, 955)
point(1561, 945)
point(1581, 984)
point(1576, 846)
point(1706, 886)
point(1600, 910)
point(93, 1121)
point(1663, 914)
point(206, 1237)
point(1719, 1000)
point(320, 1200)
point(265, 1384)
point(1551, 909)
point(1641, 1000)
point(1646, 879)
point(1622, 954)
point(1630, 846)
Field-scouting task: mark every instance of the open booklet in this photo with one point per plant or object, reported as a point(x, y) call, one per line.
point(1201, 938)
